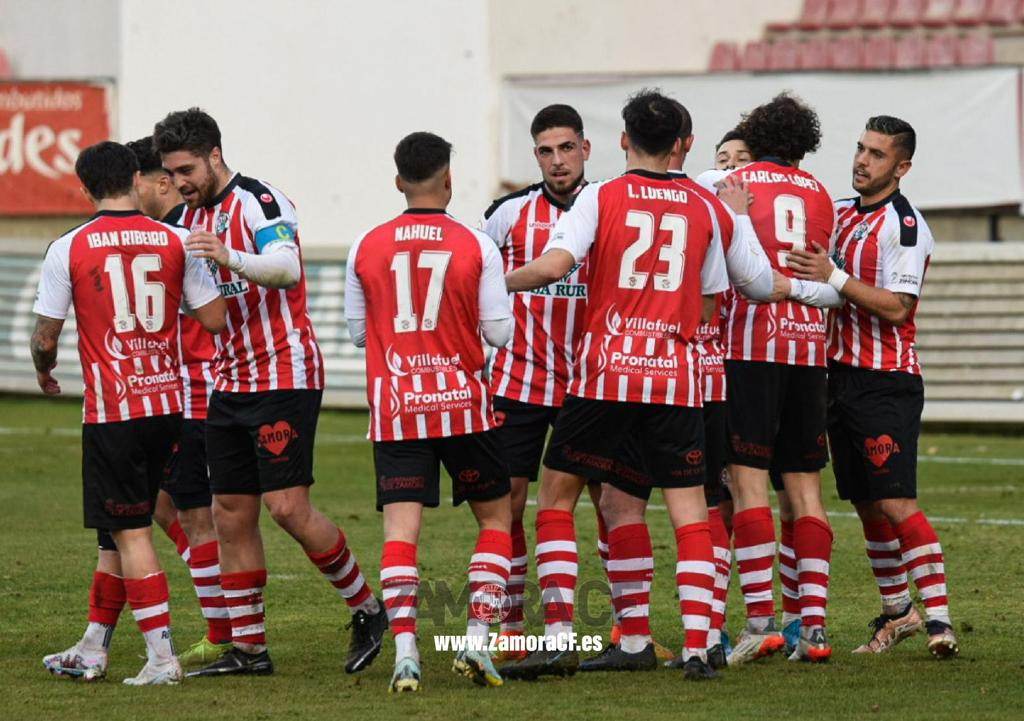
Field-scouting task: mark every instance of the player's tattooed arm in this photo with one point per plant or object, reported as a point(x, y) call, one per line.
point(44, 352)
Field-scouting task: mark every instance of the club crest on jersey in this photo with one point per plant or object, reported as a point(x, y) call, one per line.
point(861, 230)
point(223, 219)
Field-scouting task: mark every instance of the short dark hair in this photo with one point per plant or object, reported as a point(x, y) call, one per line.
point(107, 169)
point(786, 128)
point(685, 127)
point(652, 122)
point(556, 116)
point(192, 130)
point(419, 156)
point(902, 132)
point(728, 137)
point(146, 155)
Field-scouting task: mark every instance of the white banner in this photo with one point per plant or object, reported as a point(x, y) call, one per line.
point(967, 121)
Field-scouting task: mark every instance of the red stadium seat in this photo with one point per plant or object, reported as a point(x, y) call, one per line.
point(1004, 12)
point(906, 13)
point(941, 51)
point(843, 14)
point(975, 49)
point(938, 13)
point(755, 55)
point(5, 66)
point(814, 14)
point(910, 52)
point(725, 58)
point(874, 13)
point(814, 55)
point(876, 53)
point(784, 55)
point(845, 54)
point(970, 12)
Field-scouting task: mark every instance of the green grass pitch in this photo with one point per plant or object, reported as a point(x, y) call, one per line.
point(47, 560)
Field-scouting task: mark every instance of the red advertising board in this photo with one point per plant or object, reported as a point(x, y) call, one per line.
point(43, 126)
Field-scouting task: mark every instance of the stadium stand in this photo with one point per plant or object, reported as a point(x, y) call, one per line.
point(971, 333)
point(6, 71)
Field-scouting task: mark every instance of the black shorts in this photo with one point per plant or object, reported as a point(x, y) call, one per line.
point(776, 416)
point(122, 467)
point(105, 541)
point(632, 446)
point(715, 443)
point(261, 442)
point(409, 471)
point(187, 479)
point(874, 419)
point(521, 435)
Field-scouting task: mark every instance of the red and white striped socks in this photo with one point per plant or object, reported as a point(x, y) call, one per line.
point(788, 576)
point(180, 540)
point(488, 579)
point(338, 564)
point(106, 599)
point(630, 570)
point(243, 593)
point(925, 564)
point(883, 550)
point(148, 598)
point(602, 553)
point(400, 582)
point(812, 541)
point(723, 568)
point(204, 565)
point(695, 581)
point(513, 623)
point(557, 568)
point(754, 539)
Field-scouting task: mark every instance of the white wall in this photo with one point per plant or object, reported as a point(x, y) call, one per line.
point(61, 39)
point(312, 96)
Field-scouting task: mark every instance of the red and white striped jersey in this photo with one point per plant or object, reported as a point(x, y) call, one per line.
point(423, 282)
point(711, 356)
point(654, 250)
point(126, 276)
point(791, 209)
point(268, 343)
point(198, 352)
point(885, 245)
point(534, 367)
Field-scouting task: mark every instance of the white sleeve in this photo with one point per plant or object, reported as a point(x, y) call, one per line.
point(276, 266)
point(576, 228)
point(902, 267)
point(355, 299)
point(493, 296)
point(820, 295)
point(709, 177)
point(265, 208)
point(713, 275)
point(198, 286)
point(748, 266)
point(53, 296)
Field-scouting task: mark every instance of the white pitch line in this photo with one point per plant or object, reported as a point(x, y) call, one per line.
point(969, 460)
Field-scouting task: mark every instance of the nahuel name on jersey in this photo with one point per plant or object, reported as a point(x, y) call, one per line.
point(768, 176)
point(126, 237)
point(648, 193)
point(419, 232)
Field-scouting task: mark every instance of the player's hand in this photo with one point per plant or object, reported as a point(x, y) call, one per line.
point(734, 193)
point(813, 264)
point(48, 383)
point(207, 245)
point(781, 287)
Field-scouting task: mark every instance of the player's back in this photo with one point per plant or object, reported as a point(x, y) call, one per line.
point(420, 275)
point(791, 209)
point(645, 290)
point(126, 273)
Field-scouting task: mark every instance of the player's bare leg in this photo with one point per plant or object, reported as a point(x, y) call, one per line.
point(812, 547)
point(630, 570)
point(326, 546)
point(147, 593)
point(87, 659)
point(924, 562)
point(513, 624)
point(488, 579)
point(399, 582)
point(754, 538)
point(556, 573)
